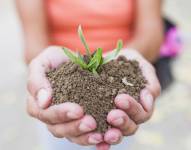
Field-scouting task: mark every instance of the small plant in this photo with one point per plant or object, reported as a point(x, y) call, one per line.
point(96, 59)
point(94, 92)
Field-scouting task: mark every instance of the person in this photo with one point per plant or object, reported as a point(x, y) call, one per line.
point(54, 22)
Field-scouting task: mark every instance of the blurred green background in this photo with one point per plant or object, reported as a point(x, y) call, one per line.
point(169, 128)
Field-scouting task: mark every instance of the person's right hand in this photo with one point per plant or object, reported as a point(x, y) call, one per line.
point(63, 120)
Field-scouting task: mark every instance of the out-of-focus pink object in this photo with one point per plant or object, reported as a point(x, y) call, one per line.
point(172, 45)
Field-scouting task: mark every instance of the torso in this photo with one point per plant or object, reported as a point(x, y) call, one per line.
point(103, 21)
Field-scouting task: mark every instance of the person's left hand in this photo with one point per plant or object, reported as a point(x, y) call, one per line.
point(130, 113)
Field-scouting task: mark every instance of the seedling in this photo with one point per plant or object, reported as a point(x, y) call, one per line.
point(96, 59)
point(94, 92)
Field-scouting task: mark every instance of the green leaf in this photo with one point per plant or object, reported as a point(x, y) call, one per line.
point(74, 58)
point(81, 35)
point(114, 53)
point(95, 62)
point(94, 72)
point(80, 56)
point(119, 46)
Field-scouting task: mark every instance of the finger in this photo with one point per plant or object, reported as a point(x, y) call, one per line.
point(149, 73)
point(102, 146)
point(87, 139)
point(147, 100)
point(74, 128)
point(32, 107)
point(55, 114)
point(38, 85)
point(113, 136)
point(61, 113)
point(134, 109)
point(119, 119)
point(40, 88)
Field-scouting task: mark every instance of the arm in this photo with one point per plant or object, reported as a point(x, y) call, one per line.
point(33, 19)
point(148, 34)
point(147, 38)
point(66, 120)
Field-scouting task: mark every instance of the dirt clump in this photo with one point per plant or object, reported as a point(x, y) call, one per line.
point(96, 93)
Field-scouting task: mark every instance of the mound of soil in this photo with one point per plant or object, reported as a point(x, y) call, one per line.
point(96, 93)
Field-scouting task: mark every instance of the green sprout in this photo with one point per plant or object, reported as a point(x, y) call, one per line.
point(96, 59)
point(82, 38)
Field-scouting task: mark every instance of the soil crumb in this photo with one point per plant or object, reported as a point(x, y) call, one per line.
point(96, 93)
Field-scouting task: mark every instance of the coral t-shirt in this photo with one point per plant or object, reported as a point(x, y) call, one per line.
point(103, 22)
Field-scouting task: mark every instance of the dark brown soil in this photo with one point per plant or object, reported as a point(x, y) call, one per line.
point(70, 83)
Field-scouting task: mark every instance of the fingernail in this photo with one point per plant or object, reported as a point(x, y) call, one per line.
point(123, 102)
point(42, 98)
point(84, 127)
point(94, 140)
point(119, 121)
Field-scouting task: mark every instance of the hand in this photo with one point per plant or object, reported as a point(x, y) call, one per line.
point(131, 113)
point(64, 120)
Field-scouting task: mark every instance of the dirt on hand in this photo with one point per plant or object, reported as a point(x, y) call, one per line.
point(96, 93)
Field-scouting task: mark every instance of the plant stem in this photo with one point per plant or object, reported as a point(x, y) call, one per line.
point(81, 35)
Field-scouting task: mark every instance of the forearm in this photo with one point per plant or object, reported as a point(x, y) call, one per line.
point(35, 31)
point(148, 42)
point(148, 29)
point(34, 44)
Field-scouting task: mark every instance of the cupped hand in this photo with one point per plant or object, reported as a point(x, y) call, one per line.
point(130, 113)
point(64, 120)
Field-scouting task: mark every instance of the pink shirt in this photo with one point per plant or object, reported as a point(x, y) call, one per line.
point(103, 22)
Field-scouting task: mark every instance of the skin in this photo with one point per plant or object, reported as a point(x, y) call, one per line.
point(148, 32)
point(68, 120)
point(35, 34)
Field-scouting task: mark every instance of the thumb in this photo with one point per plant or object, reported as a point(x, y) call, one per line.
point(44, 98)
point(38, 85)
point(102, 146)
